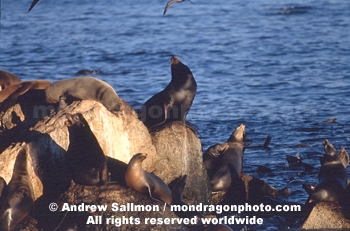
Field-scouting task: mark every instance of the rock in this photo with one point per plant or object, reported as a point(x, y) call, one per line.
point(180, 153)
point(120, 138)
point(106, 195)
point(172, 152)
point(326, 215)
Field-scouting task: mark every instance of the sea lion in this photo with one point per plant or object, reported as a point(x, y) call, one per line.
point(2, 185)
point(84, 157)
point(332, 177)
point(174, 102)
point(7, 79)
point(218, 156)
point(18, 197)
point(9, 96)
point(144, 182)
point(177, 189)
point(80, 88)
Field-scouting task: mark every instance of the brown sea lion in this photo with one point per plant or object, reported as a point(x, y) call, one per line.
point(218, 156)
point(15, 90)
point(174, 102)
point(80, 88)
point(18, 197)
point(144, 182)
point(11, 94)
point(7, 79)
point(332, 177)
point(85, 159)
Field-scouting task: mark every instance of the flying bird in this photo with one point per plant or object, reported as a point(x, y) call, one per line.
point(171, 2)
point(33, 4)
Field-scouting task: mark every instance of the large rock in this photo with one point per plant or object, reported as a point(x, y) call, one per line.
point(120, 137)
point(180, 153)
point(326, 215)
point(172, 152)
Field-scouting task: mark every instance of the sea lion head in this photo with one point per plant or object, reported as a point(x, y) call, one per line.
point(75, 120)
point(238, 134)
point(328, 148)
point(139, 157)
point(174, 60)
point(331, 155)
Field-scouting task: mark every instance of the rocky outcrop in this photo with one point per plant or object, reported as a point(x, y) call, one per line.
point(326, 215)
point(180, 153)
point(172, 152)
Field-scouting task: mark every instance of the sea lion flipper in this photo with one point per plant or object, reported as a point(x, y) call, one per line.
point(216, 150)
point(344, 157)
point(151, 195)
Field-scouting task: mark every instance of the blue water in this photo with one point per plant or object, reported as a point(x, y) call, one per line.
point(280, 68)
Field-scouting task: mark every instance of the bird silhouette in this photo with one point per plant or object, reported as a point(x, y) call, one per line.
point(33, 4)
point(171, 2)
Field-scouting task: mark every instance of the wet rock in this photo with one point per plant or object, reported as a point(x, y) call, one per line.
point(180, 153)
point(326, 215)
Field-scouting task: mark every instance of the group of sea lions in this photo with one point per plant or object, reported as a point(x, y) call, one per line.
point(87, 164)
point(84, 158)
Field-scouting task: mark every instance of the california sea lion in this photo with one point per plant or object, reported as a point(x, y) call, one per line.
point(85, 159)
point(18, 197)
point(174, 102)
point(218, 156)
point(7, 79)
point(2, 185)
point(9, 96)
point(144, 182)
point(332, 177)
point(80, 88)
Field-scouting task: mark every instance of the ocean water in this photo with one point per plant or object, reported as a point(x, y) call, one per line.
point(280, 68)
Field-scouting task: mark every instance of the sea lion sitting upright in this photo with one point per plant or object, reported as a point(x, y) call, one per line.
point(217, 158)
point(144, 182)
point(7, 79)
point(85, 159)
point(80, 88)
point(18, 197)
point(174, 102)
point(332, 177)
